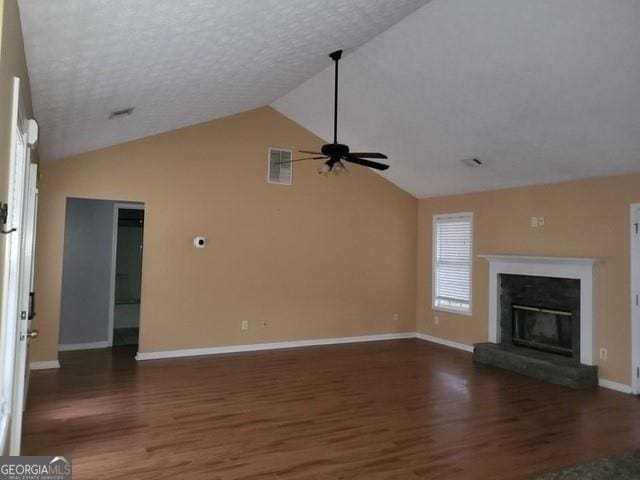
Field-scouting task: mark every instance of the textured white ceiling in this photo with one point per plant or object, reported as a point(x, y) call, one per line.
point(541, 90)
point(179, 62)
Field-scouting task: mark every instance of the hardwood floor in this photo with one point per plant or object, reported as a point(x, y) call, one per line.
point(402, 409)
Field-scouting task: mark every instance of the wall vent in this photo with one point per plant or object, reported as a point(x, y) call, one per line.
point(473, 162)
point(279, 166)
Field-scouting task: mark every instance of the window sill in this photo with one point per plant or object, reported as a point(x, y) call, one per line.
point(466, 313)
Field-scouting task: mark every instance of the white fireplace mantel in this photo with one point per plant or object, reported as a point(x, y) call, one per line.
point(581, 268)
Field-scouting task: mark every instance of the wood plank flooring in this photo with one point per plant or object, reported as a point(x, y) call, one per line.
point(402, 409)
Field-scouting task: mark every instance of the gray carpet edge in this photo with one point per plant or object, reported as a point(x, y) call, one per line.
point(617, 467)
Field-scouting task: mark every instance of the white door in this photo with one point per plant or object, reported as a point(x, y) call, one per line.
point(27, 288)
point(17, 270)
point(31, 220)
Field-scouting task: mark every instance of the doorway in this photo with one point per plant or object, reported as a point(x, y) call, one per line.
point(101, 275)
point(127, 273)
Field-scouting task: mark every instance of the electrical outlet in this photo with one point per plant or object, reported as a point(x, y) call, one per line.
point(436, 320)
point(244, 325)
point(603, 354)
point(263, 324)
point(396, 317)
point(534, 222)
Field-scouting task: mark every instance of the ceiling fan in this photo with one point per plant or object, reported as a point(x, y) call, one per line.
point(335, 153)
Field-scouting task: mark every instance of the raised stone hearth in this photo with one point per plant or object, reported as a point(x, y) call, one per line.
point(541, 319)
point(534, 363)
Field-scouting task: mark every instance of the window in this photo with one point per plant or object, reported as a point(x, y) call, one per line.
point(279, 166)
point(452, 260)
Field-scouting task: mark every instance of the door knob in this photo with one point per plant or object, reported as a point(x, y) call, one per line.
point(33, 333)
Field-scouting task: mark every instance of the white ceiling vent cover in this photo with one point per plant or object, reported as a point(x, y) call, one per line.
point(279, 168)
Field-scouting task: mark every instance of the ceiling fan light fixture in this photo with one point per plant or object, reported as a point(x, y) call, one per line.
point(324, 169)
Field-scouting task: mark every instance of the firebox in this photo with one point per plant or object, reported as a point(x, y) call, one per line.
point(543, 329)
point(541, 313)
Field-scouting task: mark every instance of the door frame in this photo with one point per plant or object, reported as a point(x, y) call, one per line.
point(117, 206)
point(22, 370)
point(30, 227)
point(16, 279)
point(634, 295)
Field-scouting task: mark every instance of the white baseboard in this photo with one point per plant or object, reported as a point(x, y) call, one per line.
point(83, 346)
point(141, 356)
point(618, 387)
point(445, 342)
point(270, 346)
point(44, 365)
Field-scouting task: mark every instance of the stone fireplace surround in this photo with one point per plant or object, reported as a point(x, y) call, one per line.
point(583, 269)
point(575, 372)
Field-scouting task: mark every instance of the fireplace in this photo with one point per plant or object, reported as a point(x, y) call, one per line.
point(543, 329)
point(541, 318)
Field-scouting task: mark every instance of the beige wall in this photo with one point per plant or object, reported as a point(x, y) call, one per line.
point(582, 219)
point(12, 64)
point(326, 257)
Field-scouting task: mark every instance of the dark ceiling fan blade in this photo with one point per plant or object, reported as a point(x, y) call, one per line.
point(368, 155)
point(310, 153)
point(366, 163)
point(300, 160)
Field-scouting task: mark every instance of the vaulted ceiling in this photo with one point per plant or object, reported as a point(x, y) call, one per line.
point(178, 62)
point(540, 91)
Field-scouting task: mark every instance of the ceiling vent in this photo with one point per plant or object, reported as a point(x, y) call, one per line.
point(121, 113)
point(279, 167)
point(473, 162)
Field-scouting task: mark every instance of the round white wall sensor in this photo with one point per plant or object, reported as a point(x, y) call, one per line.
point(199, 242)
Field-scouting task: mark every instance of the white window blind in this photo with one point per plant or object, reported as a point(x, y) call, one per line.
point(452, 259)
point(279, 166)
